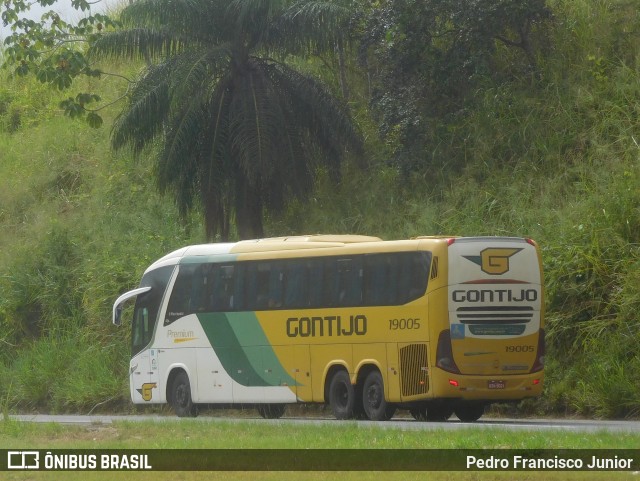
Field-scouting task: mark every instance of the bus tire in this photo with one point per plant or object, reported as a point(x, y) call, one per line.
point(342, 395)
point(181, 397)
point(375, 406)
point(419, 413)
point(439, 412)
point(470, 412)
point(271, 411)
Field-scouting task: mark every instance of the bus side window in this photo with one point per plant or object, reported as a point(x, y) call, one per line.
point(262, 277)
point(296, 282)
point(350, 281)
point(276, 285)
point(379, 279)
point(330, 282)
point(187, 295)
point(239, 291)
point(414, 274)
point(316, 273)
point(222, 288)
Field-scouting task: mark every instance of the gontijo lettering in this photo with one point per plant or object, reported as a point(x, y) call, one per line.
point(494, 295)
point(327, 326)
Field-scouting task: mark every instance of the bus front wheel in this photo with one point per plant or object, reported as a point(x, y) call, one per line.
point(181, 397)
point(342, 395)
point(271, 411)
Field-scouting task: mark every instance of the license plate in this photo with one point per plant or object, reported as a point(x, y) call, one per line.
point(496, 384)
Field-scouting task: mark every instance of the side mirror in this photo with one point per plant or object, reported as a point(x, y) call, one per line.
point(117, 315)
point(117, 306)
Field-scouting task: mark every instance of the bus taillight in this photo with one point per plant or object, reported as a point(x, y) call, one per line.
point(538, 365)
point(444, 353)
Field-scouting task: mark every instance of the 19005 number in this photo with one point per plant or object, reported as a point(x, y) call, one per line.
point(520, 349)
point(395, 324)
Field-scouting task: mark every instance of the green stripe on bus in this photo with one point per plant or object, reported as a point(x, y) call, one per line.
point(243, 349)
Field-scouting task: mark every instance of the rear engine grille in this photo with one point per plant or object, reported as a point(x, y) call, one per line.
point(413, 370)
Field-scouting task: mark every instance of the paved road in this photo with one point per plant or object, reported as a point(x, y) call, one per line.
point(399, 423)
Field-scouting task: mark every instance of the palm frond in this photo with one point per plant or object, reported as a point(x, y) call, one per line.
point(308, 26)
point(318, 111)
point(249, 125)
point(162, 13)
point(177, 164)
point(182, 137)
point(199, 69)
point(148, 107)
point(216, 168)
point(138, 44)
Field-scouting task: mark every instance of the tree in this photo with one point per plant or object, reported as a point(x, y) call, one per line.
point(238, 130)
point(52, 49)
point(428, 58)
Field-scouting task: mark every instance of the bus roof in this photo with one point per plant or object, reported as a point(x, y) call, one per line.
point(285, 243)
point(312, 244)
point(334, 238)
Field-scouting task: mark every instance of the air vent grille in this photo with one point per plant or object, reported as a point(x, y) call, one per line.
point(413, 370)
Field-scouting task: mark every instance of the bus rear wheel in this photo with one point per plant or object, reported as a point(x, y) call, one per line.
point(271, 411)
point(419, 413)
point(342, 395)
point(469, 412)
point(439, 412)
point(375, 406)
point(181, 397)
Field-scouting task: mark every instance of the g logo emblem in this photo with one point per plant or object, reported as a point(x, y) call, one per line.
point(147, 390)
point(494, 260)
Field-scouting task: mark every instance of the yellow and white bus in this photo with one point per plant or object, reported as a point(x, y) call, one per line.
point(435, 325)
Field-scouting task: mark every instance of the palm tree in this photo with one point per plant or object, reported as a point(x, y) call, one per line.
point(235, 127)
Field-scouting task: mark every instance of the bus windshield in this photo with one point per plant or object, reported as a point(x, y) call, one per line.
point(145, 315)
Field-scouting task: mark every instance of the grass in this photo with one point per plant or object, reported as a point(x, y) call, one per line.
point(216, 433)
point(222, 434)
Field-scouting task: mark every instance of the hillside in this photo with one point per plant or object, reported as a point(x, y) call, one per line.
point(556, 158)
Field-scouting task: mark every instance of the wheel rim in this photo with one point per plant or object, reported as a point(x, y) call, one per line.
point(374, 396)
point(181, 396)
point(342, 395)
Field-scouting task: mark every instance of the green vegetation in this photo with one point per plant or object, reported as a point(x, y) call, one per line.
point(247, 434)
point(553, 154)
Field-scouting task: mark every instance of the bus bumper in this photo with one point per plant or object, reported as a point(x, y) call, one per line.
point(512, 387)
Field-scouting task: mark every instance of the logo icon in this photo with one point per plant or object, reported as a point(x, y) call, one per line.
point(494, 260)
point(146, 390)
point(23, 460)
